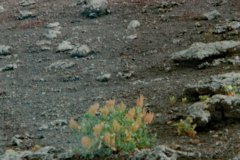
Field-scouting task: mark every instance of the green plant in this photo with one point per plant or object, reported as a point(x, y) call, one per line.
point(184, 100)
point(186, 127)
point(113, 129)
point(172, 100)
point(230, 90)
point(203, 98)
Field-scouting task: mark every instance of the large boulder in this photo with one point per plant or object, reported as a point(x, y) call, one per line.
point(200, 52)
point(95, 8)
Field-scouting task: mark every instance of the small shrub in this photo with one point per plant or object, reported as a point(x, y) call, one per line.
point(172, 100)
point(113, 128)
point(186, 127)
point(203, 98)
point(230, 90)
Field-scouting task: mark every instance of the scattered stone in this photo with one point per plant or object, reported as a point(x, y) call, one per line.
point(95, 8)
point(25, 14)
point(54, 25)
point(54, 30)
point(1, 9)
point(44, 44)
point(45, 153)
point(81, 51)
point(64, 46)
point(131, 37)
point(236, 157)
point(25, 3)
point(22, 141)
point(43, 127)
point(8, 67)
point(211, 15)
point(198, 24)
point(228, 106)
point(201, 51)
point(5, 50)
point(219, 29)
point(233, 25)
point(134, 24)
point(125, 74)
point(199, 111)
point(51, 34)
point(61, 64)
point(104, 77)
point(59, 123)
point(164, 153)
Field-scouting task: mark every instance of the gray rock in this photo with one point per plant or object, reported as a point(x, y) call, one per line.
point(233, 25)
point(25, 3)
point(54, 25)
point(8, 67)
point(200, 51)
point(163, 153)
point(51, 34)
point(229, 106)
point(25, 14)
point(1, 9)
point(199, 111)
point(131, 37)
point(44, 44)
point(215, 85)
point(236, 157)
point(212, 15)
point(81, 51)
point(5, 50)
point(219, 29)
point(43, 127)
point(95, 8)
point(59, 123)
point(22, 141)
point(104, 77)
point(65, 46)
point(61, 64)
point(134, 24)
point(14, 155)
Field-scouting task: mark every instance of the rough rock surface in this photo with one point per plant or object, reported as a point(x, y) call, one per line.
point(163, 153)
point(95, 8)
point(5, 50)
point(213, 86)
point(201, 51)
point(61, 64)
point(199, 111)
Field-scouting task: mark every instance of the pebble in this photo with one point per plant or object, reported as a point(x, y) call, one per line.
point(104, 77)
point(134, 24)
point(25, 3)
point(65, 46)
point(8, 67)
point(25, 14)
point(81, 51)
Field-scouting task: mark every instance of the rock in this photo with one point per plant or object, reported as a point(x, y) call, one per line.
point(61, 64)
point(65, 46)
point(59, 123)
point(44, 44)
point(8, 67)
point(199, 111)
point(134, 24)
point(104, 77)
point(5, 50)
point(25, 3)
point(215, 85)
point(236, 157)
point(219, 29)
point(229, 106)
point(163, 153)
point(45, 153)
point(22, 141)
point(25, 14)
point(212, 15)
point(54, 25)
point(1, 9)
point(43, 127)
point(51, 34)
point(54, 30)
point(131, 37)
point(201, 51)
point(233, 25)
point(81, 51)
point(95, 8)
